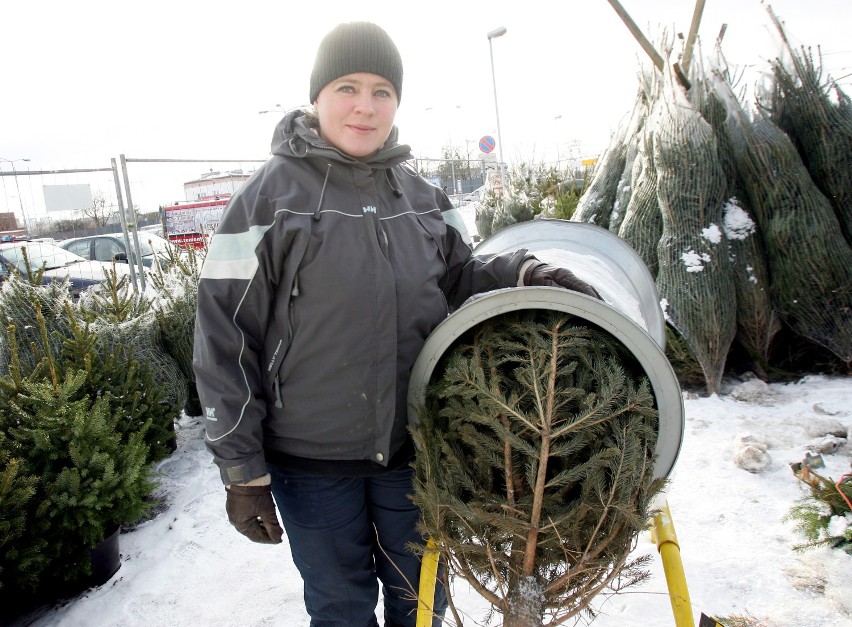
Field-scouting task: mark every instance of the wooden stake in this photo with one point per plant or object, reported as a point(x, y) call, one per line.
point(637, 33)
point(690, 38)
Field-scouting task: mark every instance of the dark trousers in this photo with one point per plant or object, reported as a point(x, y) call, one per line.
point(348, 533)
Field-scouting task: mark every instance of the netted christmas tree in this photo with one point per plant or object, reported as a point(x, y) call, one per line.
point(694, 275)
point(642, 224)
point(634, 139)
point(757, 320)
point(809, 261)
point(176, 304)
point(596, 203)
point(126, 323)
point(535, 464)
point(623, 190)
point(817, 115)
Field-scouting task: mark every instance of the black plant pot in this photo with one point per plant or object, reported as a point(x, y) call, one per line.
point(106, 560)
point(24, 607)
point(171, 443)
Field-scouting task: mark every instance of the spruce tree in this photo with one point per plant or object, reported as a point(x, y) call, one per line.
point(74, 421)
point(535, 459)
point(175, 313)
point(90, 477)
point(19, 560)
point(125, 322)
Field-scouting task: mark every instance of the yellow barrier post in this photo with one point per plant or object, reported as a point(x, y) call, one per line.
point(663, 532)
point(428, 578)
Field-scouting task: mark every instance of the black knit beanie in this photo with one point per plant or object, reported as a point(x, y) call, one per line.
point(356, 47)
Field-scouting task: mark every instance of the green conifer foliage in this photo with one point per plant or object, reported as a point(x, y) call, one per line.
point(91, 477)
point(809, 261)
point(694, 275)
point(124, 371)
point(535, 463)
point(17, 305)
point(813, 513)
point(125, 322)
point(175, 312)
point(109, 345)
point(819, 124)
point(76, 420)
point(17, 559)
point(642, 223)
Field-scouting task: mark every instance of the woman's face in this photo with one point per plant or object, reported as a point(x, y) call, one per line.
point(356, 113)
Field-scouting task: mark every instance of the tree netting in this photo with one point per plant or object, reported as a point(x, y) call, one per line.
point(634, 138)
point(140, 339)
point(694, 274)
point(623, 190)
point(783, 220)
point(596, 203)
point(175, 313)
point(535, 464)
point(642, 225)
point(757, 320)
point(809, 260)
point(107, 338)
point(17, 298)
point(817, 116)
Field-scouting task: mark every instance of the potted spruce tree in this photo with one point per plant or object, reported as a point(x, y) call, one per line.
point(78, 438)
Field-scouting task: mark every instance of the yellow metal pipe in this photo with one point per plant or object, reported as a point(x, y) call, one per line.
point(664, 535)
point(428, 578)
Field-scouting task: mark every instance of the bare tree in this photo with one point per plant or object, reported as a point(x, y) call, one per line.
point(100, 211)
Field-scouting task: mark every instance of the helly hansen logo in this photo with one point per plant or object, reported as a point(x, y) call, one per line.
point(210, 412)
point(369, 209)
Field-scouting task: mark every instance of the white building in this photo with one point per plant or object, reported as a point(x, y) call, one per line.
point(214, 184)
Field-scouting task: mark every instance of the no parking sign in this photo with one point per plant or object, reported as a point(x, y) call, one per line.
point(487, 143)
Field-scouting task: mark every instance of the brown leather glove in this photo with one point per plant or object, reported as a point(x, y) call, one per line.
point(556, 276)
point(252, 512)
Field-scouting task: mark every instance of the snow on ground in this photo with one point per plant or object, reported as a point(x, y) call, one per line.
point(188, 567)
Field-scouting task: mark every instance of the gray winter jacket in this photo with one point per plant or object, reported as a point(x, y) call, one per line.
point(323, 280)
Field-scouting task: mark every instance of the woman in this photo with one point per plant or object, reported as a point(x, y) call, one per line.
point(328, 270)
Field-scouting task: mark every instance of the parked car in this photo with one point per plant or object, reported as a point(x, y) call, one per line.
point(110, 247)
point(57, 262)
point(155, 229)
point(474, 196)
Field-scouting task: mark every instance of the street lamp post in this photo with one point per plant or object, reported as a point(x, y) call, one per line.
point(497, 32)
point(17, 187)
point(467, 143)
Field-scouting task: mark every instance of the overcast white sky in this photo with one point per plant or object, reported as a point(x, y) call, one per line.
point(86, 81)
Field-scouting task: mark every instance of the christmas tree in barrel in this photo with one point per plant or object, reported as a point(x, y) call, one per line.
point(535, 464)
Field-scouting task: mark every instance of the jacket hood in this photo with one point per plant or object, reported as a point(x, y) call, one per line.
point(295, 136)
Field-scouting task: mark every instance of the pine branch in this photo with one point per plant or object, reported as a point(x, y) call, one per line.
point(550, 494)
